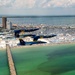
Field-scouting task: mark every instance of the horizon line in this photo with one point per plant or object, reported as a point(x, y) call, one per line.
point(37, 16)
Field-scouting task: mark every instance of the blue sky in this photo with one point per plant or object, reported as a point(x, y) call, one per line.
point(37, 7)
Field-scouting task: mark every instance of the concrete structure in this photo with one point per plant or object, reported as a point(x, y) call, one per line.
point(4, 19)
point(10, 61)
point(9, 25)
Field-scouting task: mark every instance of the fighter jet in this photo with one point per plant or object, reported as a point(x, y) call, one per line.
point(22, 42)
point(35, 40)
point(36, 37)
point(22, 31)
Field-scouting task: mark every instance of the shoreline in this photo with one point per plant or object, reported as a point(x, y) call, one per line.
point(2, 49)
point(54, 44)
point(39, 45)
point(64, 35)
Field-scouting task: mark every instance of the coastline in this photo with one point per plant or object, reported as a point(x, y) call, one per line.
point(39, 45)
point(2, 49)
point(65, 35)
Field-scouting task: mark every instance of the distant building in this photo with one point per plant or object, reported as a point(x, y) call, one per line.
point(4, 19)
point(9, 25)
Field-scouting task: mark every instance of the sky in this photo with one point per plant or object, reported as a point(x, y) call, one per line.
point(37, 7)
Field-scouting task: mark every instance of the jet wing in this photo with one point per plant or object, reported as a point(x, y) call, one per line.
point(35, 38)
point(17, 32)
point(22, 42)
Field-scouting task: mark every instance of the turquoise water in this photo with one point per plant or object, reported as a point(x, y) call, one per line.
point(4, 70)
point(45, 60)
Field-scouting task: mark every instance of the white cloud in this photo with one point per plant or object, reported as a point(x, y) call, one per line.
point(22, 4)
point(59, 3)
point(5, 2)
point(40, 3)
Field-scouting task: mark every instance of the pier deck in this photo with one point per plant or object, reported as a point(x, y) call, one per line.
point(10, 61)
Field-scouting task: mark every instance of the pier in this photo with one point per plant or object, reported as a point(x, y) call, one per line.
point(10, 60)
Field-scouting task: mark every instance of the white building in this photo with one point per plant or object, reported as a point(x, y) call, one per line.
point(2, 44)
point(9, 25)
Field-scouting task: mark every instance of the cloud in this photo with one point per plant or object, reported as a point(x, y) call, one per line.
point(5, 2)
point(59, 3)
point(24, 4)
point(17, 3)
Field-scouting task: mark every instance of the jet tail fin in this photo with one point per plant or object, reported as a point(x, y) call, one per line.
point(17, 35)
point(22, 42)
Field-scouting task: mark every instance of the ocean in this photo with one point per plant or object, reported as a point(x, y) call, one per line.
point(45, 20)
point(45, 60)
point(41, 60)
point(4, 69)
